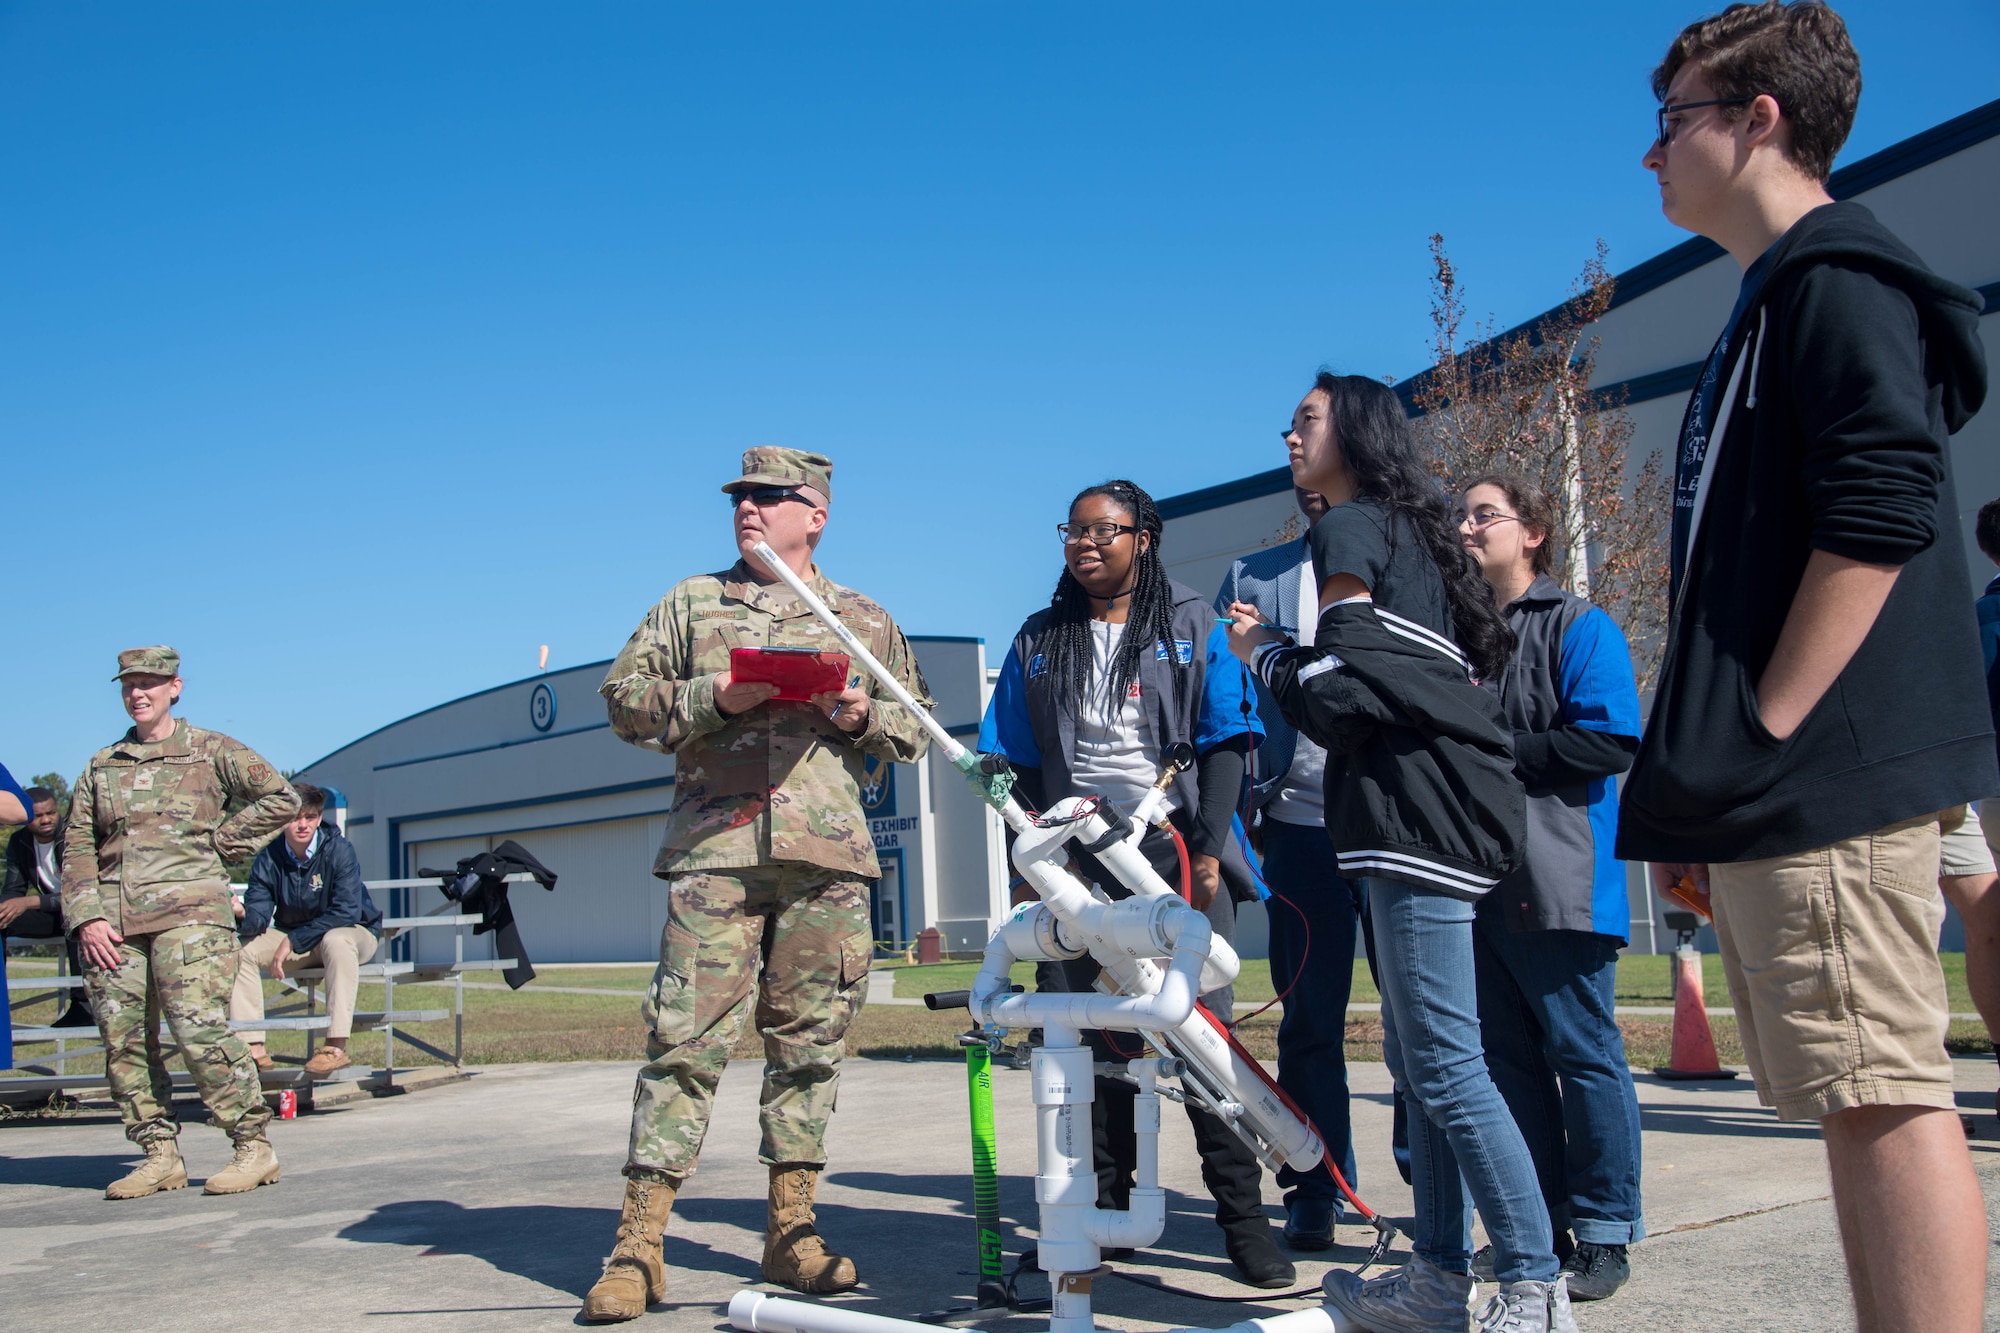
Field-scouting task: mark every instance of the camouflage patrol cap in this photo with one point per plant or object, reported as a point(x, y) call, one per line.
point(158, 660)
point(768, 465)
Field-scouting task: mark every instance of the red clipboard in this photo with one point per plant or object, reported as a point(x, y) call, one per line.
point(799, 673)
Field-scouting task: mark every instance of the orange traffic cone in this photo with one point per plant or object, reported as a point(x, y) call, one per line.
point(1694, 1043)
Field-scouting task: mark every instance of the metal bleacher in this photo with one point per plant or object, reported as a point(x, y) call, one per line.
point(50, 1073)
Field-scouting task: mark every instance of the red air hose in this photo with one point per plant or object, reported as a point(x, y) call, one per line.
point(1326, 1149)
point(1187, 870)
point(1305, 951)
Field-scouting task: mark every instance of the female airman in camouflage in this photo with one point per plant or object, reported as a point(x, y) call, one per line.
point(145, 890)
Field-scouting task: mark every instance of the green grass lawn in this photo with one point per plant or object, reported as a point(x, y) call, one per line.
point(537, 1025)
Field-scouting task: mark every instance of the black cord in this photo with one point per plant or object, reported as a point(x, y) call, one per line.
point(1154, 1284)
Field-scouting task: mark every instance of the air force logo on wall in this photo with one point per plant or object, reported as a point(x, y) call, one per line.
point(542, 707)
point(878, 786)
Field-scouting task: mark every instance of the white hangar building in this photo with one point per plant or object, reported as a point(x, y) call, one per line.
point(536, 761)
point(1939, 191)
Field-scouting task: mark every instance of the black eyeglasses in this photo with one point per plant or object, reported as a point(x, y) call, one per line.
point(765, 496)
point(1098, 534)
point(1666, 133)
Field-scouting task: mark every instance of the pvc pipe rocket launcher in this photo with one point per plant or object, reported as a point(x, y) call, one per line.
point(1129, 939)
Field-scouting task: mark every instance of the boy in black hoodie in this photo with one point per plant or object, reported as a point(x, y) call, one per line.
point(1813, 715)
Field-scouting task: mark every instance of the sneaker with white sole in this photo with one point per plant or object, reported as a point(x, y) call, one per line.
point(1419, 1297)
point(1528, 1307)
point(1597, 1271)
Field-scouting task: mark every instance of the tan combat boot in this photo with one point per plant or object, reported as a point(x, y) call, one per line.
point(794, 1254)
point(254, 1164)
point(635, 1275)
point(163, 1169)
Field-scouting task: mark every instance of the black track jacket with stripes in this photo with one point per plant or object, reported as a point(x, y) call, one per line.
point(1420, 783)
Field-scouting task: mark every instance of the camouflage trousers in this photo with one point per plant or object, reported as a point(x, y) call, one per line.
point(184, 973)
point(795, 938)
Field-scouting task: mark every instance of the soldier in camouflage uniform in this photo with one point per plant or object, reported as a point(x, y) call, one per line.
point(145, 891)
point(770, 863)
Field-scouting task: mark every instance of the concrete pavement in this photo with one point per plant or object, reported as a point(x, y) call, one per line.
point(488, 1204)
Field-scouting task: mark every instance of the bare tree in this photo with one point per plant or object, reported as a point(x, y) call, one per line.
point(1521, 402)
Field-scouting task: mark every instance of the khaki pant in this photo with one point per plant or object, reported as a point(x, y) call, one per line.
point(1832, 962)
point(341, 951)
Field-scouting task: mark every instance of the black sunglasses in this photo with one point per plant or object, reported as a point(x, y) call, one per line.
point(1666, 134)
point(764, 496)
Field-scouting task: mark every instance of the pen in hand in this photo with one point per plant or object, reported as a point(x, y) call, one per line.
point(1282, 629)
point(843, 703)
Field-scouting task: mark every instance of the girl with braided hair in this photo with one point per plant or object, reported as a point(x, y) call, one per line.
point(1422, 804)
point(1124, 664)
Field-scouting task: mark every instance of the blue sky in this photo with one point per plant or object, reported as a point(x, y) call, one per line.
point(357, 350)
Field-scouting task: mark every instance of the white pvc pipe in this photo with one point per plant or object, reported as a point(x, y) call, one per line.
point(1125, 861)
point(1320, 1319)
point(1145, 1215)
point(754, 1312)
point(1217, 1065)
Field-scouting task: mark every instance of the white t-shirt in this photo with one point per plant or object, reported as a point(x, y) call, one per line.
point(1116, 757)
point(45, 866)
point(1302, 800)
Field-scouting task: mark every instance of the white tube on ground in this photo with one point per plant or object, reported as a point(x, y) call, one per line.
point(754, 1312)
point(1319, 1319)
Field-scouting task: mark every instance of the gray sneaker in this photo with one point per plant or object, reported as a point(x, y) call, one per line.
point(1529, 1307)
point(1419, 1297)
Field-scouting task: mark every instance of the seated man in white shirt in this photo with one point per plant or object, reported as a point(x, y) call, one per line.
point(306, 907)
point(31, 898)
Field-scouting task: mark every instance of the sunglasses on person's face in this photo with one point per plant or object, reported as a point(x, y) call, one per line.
point(1667, 120)
point(765, 496)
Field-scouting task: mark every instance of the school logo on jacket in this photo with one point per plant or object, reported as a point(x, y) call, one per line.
point(1183, 651)
point(315, 883)
point(1037, 665)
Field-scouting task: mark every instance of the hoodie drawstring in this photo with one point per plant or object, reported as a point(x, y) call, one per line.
point(1756, 357)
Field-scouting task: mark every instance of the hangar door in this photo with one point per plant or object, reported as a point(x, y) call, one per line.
point(606, 907)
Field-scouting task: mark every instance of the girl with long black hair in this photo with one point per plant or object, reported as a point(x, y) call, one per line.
point(1124, 664)
point(1423, 805)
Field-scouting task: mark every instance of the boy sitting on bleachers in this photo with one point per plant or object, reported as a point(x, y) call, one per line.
point(305, 907)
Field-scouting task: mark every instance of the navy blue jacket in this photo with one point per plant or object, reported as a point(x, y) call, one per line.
point(307, 901)
point(1269, 580)
point(1989, 643)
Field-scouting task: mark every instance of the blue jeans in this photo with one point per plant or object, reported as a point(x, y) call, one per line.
point(1553, 1045)
point(1463, 1140)
point(1313, 912)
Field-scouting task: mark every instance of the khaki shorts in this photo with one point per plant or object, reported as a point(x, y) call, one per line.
point(1832, 963)
point(1964, 849)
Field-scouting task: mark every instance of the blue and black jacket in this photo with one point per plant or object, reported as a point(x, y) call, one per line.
point(1571, 700)
point(307, 901)
point(1193, 690)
